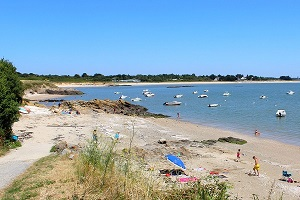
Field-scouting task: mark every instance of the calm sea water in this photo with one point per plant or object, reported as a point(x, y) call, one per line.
point(243, 111)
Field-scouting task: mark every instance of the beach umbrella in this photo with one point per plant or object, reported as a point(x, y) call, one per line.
point(176, 161)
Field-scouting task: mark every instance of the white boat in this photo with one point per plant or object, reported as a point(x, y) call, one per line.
point(280, 113)
point(202, 96)
point(226, 94)
point(136, 99)
point(263, 97)
point(178, 96)
point(117, 92)
point(290, 92)
point(122, 97)
point(205, 90)
point(195, 92)
point(213, 105)
point(148, 94)
point(172, 103)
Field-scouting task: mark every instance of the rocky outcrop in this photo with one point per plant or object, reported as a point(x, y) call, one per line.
point(62, 91)
point(108, 106)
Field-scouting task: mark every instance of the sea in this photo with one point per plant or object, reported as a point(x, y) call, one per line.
point(242, 111)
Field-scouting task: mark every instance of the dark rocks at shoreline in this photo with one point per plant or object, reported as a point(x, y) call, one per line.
point(109, 106)
point(62, 91)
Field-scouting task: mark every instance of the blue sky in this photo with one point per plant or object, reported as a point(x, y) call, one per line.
point(256, 37)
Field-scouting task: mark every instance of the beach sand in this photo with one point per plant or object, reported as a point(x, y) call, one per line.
point(274, 157)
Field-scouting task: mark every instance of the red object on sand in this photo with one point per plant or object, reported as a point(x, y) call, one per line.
point(187, 179)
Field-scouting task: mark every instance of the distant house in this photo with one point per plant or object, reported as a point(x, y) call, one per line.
point(242, 79)
point(130, 81)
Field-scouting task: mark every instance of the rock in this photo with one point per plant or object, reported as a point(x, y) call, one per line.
point(232, 140)
point(162, 141)
point(61, 146)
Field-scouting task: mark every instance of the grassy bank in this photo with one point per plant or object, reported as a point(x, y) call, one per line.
point(99, 172)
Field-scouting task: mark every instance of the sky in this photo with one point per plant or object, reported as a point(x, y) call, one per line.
point(109, 37)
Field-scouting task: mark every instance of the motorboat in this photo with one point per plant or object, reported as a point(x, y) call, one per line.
point(280, 113)
point(136, 99)
point(213, 105)
point(122, 97)
point(226, 94)
point(178, 96)
point(148, 94)
point(290, 92)
point(172, 103)
point(195, 92)
point(202, 96)
point(117, 92)
point(263, 97)
point(205, 90)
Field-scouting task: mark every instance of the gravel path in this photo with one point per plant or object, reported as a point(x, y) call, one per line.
point(18, 160)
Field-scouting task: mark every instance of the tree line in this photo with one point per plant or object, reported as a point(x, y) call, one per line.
point(146, 78)
point(11, 93)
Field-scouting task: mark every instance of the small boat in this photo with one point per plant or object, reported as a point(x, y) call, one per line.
point(172, 103)
point(263, 97)
point(226, 94)
point(202, 96)
point(195, 92)
point(136, 99)
point(290, 92)
point(148, 94)
point(122, 97)
point(178, 96)
point(117, 92)
point(280, 113)
point(205, 90)
point(213, 105)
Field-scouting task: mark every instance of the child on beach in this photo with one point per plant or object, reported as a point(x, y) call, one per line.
point(256, 166)
point(95, 138)
point(117, 135)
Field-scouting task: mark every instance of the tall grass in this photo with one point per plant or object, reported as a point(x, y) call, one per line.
point(105, 174)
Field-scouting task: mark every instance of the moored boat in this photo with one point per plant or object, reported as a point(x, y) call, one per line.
point(178, 96)
point(280, 113)
point(202, 96)
point(226, 94)
point(290, 92)
point(172, 103)
point(263, 97)
point(213, 105)
point(136, 99)
point(122, 97)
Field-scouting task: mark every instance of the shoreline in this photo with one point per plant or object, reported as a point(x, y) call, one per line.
point(40, 97)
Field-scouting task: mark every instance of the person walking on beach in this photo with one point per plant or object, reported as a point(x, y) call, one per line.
point(256, 166)
point(238, 155)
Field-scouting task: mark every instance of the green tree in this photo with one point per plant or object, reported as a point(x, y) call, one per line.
point(11, 92)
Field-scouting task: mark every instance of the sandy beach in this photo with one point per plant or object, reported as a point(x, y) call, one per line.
point(100, 84)
point(47, 128)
